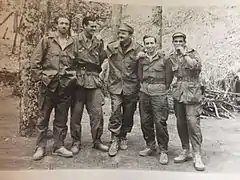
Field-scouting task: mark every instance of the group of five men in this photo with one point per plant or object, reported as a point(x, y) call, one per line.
point(69, 71)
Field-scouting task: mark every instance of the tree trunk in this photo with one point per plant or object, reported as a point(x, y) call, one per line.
point(116, 19)
point(159, 15)
point(31, 34)
point(15, 22)
point(45, 6)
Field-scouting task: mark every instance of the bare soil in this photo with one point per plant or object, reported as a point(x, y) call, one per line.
point(221, 149)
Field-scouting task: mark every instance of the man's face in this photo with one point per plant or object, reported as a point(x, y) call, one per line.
point(63, 25)
point(178, 42)
point(91, 27)
point(150, 44)
point(123, 36)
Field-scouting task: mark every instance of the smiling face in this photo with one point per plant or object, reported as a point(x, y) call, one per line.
point(123, 36)
point(91, 27)
point(150, 44)
point(63, 25)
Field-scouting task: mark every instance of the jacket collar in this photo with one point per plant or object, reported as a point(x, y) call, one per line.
point(56, 38)
point(131, 47)
point(82, 38)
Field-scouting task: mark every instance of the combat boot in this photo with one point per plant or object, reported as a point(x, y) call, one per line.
point(100, 146)
point(123, 143)
point(197, 162)
point(184, 156)
point(62, 151)
point(39, 153)
point(163, 158)
point(146, 152)
point(75, 148)
point(113, 150)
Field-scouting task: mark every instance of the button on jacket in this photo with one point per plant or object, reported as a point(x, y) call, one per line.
point(53, 65)
point(155, 73)
point(90, 57)
point(123, 67)
point(187, 88)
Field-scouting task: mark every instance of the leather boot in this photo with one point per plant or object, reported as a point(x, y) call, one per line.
point(197, 162)
point(62, 151)
point(123, 143)
point(184, 156)
point(39, 153)
point(113, 150)
point(146, 152)
point(75, 148)
point(163, 158)
point(100, 146)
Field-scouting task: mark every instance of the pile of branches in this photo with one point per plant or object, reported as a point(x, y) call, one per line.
point(220, 104)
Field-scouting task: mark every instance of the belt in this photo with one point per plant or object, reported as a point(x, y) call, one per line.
point(152, 80)
point(90, 67)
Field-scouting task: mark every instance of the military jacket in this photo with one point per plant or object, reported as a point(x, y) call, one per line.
point(123, 67)
point(53, 65)
point(187, 88)
point(155, 73)
point(90, 56)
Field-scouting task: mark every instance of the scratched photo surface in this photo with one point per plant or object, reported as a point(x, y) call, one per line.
point(211, 31)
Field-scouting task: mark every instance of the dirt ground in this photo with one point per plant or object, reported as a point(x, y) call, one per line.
point(221, 145)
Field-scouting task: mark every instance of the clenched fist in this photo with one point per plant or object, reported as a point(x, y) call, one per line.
point(141, 55)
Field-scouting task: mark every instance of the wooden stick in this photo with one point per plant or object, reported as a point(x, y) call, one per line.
point(216, 110)
point(237, 107)
point(227, 111)
point(9, 15)
point(226, 92)
point(214, 91)
point(5, 33)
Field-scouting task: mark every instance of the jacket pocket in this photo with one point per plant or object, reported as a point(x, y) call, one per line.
point(192, 93)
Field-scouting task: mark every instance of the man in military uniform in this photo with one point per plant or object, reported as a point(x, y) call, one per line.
point(52, 66)
point(187, 97)
point(123, 86)
point(155, 73)
point(88, 92)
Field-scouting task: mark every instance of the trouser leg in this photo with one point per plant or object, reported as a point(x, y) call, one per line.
point(61, 116)
point(160, 115)
point(147, 123)
point(193, 119)
point(79, 99)
point(116, 118)
point(182, 126)
point(129, 108)
point(46, 105)
point(94, 108)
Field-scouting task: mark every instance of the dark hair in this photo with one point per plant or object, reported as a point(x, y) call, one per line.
point(66, 17)
point(61, 16)
point(149, 36)
point(86, 20)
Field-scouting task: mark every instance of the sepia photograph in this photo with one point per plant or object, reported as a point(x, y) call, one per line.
point(97, 85)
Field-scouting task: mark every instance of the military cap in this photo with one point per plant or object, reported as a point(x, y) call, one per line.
point(179, 34)
point(126, 27)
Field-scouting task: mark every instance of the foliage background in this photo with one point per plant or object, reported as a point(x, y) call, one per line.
point(213, 31)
